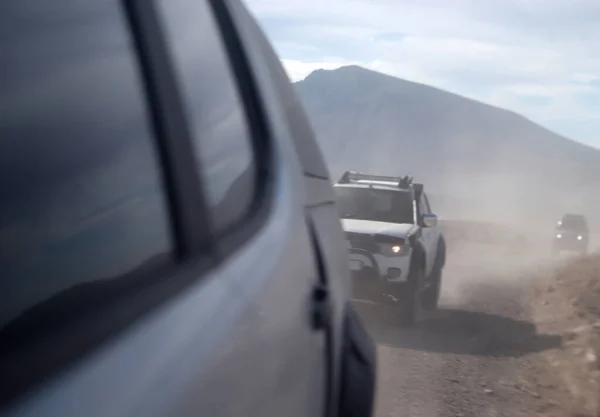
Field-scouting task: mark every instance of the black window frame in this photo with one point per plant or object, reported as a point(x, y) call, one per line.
point(196, 249)
point(260, 133)
point(261, 138)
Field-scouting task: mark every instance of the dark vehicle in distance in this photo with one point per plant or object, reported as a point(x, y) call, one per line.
point(571, 234)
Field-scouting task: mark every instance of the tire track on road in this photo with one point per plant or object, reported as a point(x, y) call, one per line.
point(479, 355)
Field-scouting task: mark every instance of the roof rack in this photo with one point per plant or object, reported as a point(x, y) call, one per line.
point(353, 176)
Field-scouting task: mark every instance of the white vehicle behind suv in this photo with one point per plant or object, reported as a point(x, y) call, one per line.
point(396, 249)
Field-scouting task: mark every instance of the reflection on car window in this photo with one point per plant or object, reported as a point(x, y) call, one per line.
point(221, 135)
point(81, 202)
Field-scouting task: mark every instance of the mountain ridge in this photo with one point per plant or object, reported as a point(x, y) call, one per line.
point(457, 145)
point(319, 72)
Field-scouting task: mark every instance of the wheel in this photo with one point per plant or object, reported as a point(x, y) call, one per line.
point(431, 296)
point(411, 304)
point(358, 377)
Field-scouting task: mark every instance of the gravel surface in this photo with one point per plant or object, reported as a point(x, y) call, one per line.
point(569, 304)
point(479, 355)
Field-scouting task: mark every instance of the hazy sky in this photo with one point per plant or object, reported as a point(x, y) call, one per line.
point(537, 57)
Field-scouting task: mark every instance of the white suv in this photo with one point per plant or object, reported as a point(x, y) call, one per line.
point(396, 249)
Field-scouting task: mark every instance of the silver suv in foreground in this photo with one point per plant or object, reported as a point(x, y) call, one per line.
point(169, 240)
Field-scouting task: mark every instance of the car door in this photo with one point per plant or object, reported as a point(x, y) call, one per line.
point(287, 114)
point(351, 354)
point(270, 357)
point(430, 234)
point(222, 320)
point(88, 245)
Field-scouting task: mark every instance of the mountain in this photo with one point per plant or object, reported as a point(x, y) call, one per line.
point(479, 160)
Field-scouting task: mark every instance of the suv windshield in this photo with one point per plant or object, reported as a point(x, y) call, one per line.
point(573, 222)
point(375, 205)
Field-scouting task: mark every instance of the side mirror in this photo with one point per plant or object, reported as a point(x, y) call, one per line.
point(429, 220)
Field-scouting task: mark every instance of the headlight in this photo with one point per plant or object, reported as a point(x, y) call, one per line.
point(394, 249)
point(558, 236)
point(391, 245)
point(579, 237)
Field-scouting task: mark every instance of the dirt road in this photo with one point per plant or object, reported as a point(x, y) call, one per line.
point(479, 355)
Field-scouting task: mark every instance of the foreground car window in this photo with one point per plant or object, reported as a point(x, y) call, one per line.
point(83, 210)
point(222, 140)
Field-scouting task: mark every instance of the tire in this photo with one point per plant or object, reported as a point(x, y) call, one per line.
point(358, 376)
point(431, 297)
point(412, 303)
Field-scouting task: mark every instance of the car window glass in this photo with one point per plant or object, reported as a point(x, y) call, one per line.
point(374, 205)
point(82, 207)
point(221, 134)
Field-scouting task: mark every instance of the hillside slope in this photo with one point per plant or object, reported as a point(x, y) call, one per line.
point(492, 161)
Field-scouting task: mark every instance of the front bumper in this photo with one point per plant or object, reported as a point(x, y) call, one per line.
point(378, 278)
point(373, 289)
point(571, 244)
point(391, 269)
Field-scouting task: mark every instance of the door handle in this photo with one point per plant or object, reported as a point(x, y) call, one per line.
point(322, 309)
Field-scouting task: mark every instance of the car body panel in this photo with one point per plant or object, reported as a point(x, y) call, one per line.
point(430, 235)
point(240, 337)
point(430, 240)
point(245, 350)
point(282, 103)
